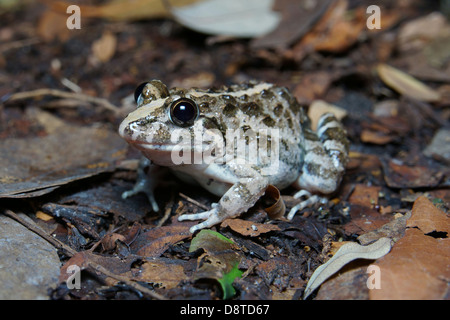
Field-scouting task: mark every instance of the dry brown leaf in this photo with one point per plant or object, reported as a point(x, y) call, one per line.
point(417, 268)
point(313, 86)
point(375, 137)
point(364, 162)
point(394, 229)
point(105, 47)
point(365, 195)
point(43, 216)
point(364, 219)
point(400, 175)
point(162, 273)
point(249, 228)
point(427, 217)
point(109, 241)
point(342, 35)
point(334, 32)
point(406, 85)
point(154, 242)
point(52, 26)
point(86, 259)
point(349, 284)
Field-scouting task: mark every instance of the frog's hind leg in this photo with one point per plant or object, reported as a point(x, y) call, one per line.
point(326, 154)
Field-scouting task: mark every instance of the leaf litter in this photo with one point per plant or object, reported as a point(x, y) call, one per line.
point(347, 253)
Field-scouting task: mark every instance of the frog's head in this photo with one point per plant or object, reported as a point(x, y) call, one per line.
point(167, 125)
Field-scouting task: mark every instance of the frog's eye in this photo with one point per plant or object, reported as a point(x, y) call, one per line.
point(183, 112)
point(138, 91)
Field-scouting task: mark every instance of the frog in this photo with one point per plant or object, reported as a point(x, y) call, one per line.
point(208, 137)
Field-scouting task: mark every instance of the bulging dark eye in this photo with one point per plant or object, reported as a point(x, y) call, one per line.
point(138, 91)
point(183, 112)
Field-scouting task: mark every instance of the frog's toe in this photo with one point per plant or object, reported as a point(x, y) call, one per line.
point(194, 216)
point(142, 188)
point(151, 199)
point(211, 218)
point(308, 202)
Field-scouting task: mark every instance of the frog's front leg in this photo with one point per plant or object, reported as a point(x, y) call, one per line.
point(326, 154)
point(238, 199)
point(145, 182)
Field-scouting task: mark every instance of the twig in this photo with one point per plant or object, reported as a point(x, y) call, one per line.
point(71, 252)
point(64, 94)
point(167, 211)
point(198, 204)
point(135, 285)
point(18, 44)
point(33, 227)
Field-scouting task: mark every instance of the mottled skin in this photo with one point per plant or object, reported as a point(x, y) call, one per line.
point(313, 162)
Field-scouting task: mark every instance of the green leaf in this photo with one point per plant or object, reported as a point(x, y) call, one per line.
point(226, 282)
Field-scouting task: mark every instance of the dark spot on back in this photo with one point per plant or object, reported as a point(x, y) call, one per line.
point(268, 121)
point(278, 110)
point(250, 108)
point(229, 110)
point(266, 94)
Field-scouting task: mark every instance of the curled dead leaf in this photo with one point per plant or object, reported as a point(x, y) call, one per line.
point(278, 208)
point(406, 85)
point(347, 253)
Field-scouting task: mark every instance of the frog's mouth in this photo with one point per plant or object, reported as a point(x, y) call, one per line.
point(175, 154)
point(170, 154)
point(163, 151)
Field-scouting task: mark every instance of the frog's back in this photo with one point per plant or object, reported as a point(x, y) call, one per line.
point(252, 105)
point(261, 109)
